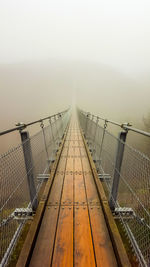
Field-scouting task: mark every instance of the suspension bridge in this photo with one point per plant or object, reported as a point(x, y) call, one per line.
point(73, 180)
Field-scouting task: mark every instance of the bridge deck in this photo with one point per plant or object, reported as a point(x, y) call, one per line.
point(73, 231)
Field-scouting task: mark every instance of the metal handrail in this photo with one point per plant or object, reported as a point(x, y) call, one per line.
point(21, 126)
point(124, 173)
point(125, 126)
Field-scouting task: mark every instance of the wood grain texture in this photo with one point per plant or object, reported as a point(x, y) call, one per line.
point(71, 227)
point(63, 250)
point(103, 247)
point(83, 246)
point(92, 194)
point(67, 194)
point(42, 254)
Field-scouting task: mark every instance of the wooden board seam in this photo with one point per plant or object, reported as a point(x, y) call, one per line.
point(118, 246)
point(30, 240)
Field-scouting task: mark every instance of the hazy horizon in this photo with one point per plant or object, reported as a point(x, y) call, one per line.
point(94, 87)
point(114, 33)
point(91, 53)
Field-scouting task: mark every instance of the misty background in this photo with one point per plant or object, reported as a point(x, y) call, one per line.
point(93, 54)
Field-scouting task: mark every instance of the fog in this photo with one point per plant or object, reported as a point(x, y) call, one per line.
point(55, 54)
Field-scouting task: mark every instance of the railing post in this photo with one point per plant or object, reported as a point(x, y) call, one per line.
point(58, 137)
point(91, 128)
point(60, 115)
point(44, 138)
point(29, 168)
point(118, 164)
point(94, 137)
point(86, 126)
point(50, 122)
point(101, 146)
point(97, 120)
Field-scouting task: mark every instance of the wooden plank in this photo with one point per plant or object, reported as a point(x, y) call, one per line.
point(76, 143)
point(26, 251)
point(103, 247)
point(78, 165)
point(71, 143)
point(83, 247)
point(33, 231)
point(67, 195)
point(70, 237)
point(119, 249)
point(55, 194)
point(63, 251)
point(77, 151)
point(91, 190)
point(65, 151)
point(42, 253)
point(71, 150)
point(117, 242)
point(79, 190)
point(66, 142)
point(83, 151)
point(79, 186)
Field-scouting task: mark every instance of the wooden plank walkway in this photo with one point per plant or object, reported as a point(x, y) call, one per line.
point(73, 231)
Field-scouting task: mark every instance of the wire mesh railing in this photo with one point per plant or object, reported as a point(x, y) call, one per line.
point(125, 175)
point(23, 170)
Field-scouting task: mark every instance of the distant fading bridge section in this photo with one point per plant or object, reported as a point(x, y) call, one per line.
point(74, 179)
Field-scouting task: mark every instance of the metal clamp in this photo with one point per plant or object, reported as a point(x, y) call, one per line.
point(42, 124)
point(126, 124)
point(43, 177)
point(104, 177)
point(105, 124)
point(21, 126)
point(23, 214)
point(124, 212)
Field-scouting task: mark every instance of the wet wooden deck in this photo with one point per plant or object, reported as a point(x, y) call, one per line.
point(73, 230)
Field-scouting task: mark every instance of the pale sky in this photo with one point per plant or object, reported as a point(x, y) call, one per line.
point(112, 32)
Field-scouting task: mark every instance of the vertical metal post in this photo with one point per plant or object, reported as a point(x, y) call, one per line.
point(84, 118)
point(91, 135)
point(97, 120)
point(101, 146)
point(60, 115)
point(42, 126)
point(65, 117)
point(50, 122)
point(91, 128)
point(29, 168)
point(86, 126)
point(94, 137)
point(58, 137)
point(118, 164)
point(54, 149)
